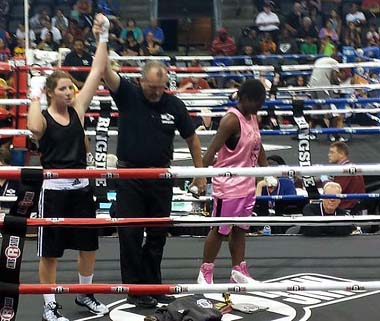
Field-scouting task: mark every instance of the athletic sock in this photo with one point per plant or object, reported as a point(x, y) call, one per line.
point(49, 298)
point(85, 280)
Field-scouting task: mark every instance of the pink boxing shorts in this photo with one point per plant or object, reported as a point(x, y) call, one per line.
point(233, 207)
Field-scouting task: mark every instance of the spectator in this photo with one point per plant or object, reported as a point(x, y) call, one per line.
point(328, 30)
point(356, 16)
point(19, 49)
point(75, 30)
point(268, 21)
point(336, 21)
point(309, 47)
point(60, 21)
point(293, 21)
point(109, 7)
point(316, 17)
point(272, 185)
point(338, 154)
point(373, 6)
point(5, 52)
point(352, 36)
point(268, 46)
point(327, 207)
point(223, 44)
point(326, 73)
point(47, 43)
point(84, 7)
point(248, 43)
point(68, 41)
point(307, 30)
point(373, 37)
point(158, 33)
point(137, 32)
point(200, 122)
point(20, 34)
point(131, 46)
point(150, 47)
point(300, 81)
point(287, 44)
point(328, 47)
point(36, 23)
point(48, 27)
point(78, 57)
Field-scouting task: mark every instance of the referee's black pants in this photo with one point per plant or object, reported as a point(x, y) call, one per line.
point(140, 262)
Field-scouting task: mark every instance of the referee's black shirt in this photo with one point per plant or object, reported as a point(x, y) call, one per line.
point(146, 130)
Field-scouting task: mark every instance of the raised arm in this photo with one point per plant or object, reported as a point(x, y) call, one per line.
point(90, 86)
point(110, 77)
point(36, 122)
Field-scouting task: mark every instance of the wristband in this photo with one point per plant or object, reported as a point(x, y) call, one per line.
point(103, 36)
point(37, 85)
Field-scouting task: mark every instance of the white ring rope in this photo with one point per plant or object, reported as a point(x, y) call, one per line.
point(290, 171)
point(197, 220)
point(285, 286)
point(368, 64)
point(297, 219)
point(290, 113)
point(332, 87)
point(14, 101)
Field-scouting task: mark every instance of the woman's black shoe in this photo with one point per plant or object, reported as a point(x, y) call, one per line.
point(165, 299)
point(142, 301)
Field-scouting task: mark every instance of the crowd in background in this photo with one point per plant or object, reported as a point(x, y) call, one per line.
point(308, 27)
point(305, 29)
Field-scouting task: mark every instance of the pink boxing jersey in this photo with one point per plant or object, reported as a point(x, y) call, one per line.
point(245, 154)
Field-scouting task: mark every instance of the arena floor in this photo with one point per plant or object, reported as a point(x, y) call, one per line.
point(270, 259)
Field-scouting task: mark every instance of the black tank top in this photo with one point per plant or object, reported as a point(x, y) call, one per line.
point(63, 146)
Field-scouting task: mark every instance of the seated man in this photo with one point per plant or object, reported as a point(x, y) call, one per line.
point(324, 208)
point(338, 154)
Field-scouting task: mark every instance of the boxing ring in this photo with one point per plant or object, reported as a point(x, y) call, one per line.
point(272, 259)
point(295, 272)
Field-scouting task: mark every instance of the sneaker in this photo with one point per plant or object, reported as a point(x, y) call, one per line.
point(313, 137)
point(332, 138)
point(51, 312)
point(206, 274)
point(165, 299)
point(240, 274)
point(142, 301)
point(342, 139)
point(93, 305)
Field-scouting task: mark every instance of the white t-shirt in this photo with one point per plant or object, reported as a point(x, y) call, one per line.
point(57, 37)
point(321, 76)
point(352, 17)
point(270, 18)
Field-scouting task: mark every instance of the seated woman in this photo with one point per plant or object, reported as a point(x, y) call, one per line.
point(151, 47)
point(131, 46)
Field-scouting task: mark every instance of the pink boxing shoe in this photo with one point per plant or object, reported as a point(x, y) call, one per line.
point(206, 274)
point(240, 274)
